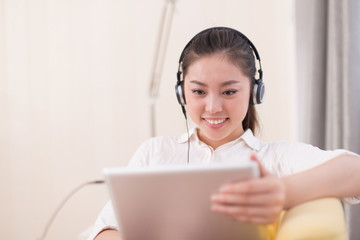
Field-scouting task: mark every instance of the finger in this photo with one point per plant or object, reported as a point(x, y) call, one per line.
point(253, 186)
point(256, 220)
point(263, 171)
point(247, 213)
point(267, 199)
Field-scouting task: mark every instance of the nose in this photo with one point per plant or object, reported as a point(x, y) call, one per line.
point(213, 104)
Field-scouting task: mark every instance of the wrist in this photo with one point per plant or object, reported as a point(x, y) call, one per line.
point(291, 198)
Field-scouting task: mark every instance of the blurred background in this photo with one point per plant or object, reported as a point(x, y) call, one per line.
point(74, 90)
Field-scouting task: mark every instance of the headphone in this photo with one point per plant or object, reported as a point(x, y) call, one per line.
point(258, 88)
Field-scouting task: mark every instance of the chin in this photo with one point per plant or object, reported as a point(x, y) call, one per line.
point(214, 135)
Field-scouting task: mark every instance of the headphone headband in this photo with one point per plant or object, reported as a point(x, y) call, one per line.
point(221, 28)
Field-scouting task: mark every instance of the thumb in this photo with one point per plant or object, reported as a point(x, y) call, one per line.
point(263, 171)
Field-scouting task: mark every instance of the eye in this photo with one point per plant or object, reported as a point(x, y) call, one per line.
point(229, 92)
point(198, 92)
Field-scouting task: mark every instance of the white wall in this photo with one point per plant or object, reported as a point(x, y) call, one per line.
point(73, 95)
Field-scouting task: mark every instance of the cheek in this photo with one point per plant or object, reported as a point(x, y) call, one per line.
point(194, 107)
point(238, 106)
point(192, 104)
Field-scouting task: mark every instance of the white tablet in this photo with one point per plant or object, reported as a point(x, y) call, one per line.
point(173, 202)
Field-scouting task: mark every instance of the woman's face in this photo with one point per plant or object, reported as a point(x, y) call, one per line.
point(217, 98)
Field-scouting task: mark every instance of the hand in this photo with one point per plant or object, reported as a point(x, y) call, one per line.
point(258, 201)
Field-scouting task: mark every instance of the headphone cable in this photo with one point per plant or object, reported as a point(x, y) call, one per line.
point(61, 205)
point(188, 134)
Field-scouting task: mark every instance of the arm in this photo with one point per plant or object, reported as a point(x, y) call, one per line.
point(261, 201)
point(339, 177)
point(108, 235)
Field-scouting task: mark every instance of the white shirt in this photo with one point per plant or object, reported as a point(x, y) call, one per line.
point(280, 158)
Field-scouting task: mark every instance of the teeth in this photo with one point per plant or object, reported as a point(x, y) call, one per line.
point(215, 122)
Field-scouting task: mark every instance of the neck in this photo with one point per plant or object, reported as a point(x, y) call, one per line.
point(215, 143)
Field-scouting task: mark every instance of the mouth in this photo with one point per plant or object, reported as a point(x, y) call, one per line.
point(215, 122)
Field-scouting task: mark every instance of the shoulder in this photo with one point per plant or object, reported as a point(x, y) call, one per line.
point(155, 150)
point(159, 142)
point(282, 147)
point(275, 147)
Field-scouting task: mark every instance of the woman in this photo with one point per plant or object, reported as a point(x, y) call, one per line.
point(216, 83)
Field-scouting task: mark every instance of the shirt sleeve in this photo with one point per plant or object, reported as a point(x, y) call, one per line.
point(106, 220)
point(142, 155)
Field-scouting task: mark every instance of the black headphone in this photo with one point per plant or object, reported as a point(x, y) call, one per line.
point(258, 88)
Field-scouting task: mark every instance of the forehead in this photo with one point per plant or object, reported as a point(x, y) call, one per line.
point(214, 66)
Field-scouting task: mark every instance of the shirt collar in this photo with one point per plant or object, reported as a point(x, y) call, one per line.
point(248, 137)
point(185, 137)
point(252, 141)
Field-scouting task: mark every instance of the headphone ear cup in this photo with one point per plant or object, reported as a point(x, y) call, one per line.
point(180, 93)
point(258, 92)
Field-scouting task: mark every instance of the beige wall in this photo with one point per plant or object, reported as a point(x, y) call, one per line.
point(74, 78)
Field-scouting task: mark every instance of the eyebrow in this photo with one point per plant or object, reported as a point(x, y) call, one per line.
point(230, 82)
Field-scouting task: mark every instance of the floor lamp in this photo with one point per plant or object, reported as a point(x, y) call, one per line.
point(159, 57)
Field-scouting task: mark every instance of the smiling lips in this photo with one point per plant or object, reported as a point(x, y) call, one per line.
point(215, 122)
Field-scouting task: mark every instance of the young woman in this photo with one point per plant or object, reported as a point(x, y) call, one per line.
point(217, 85)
